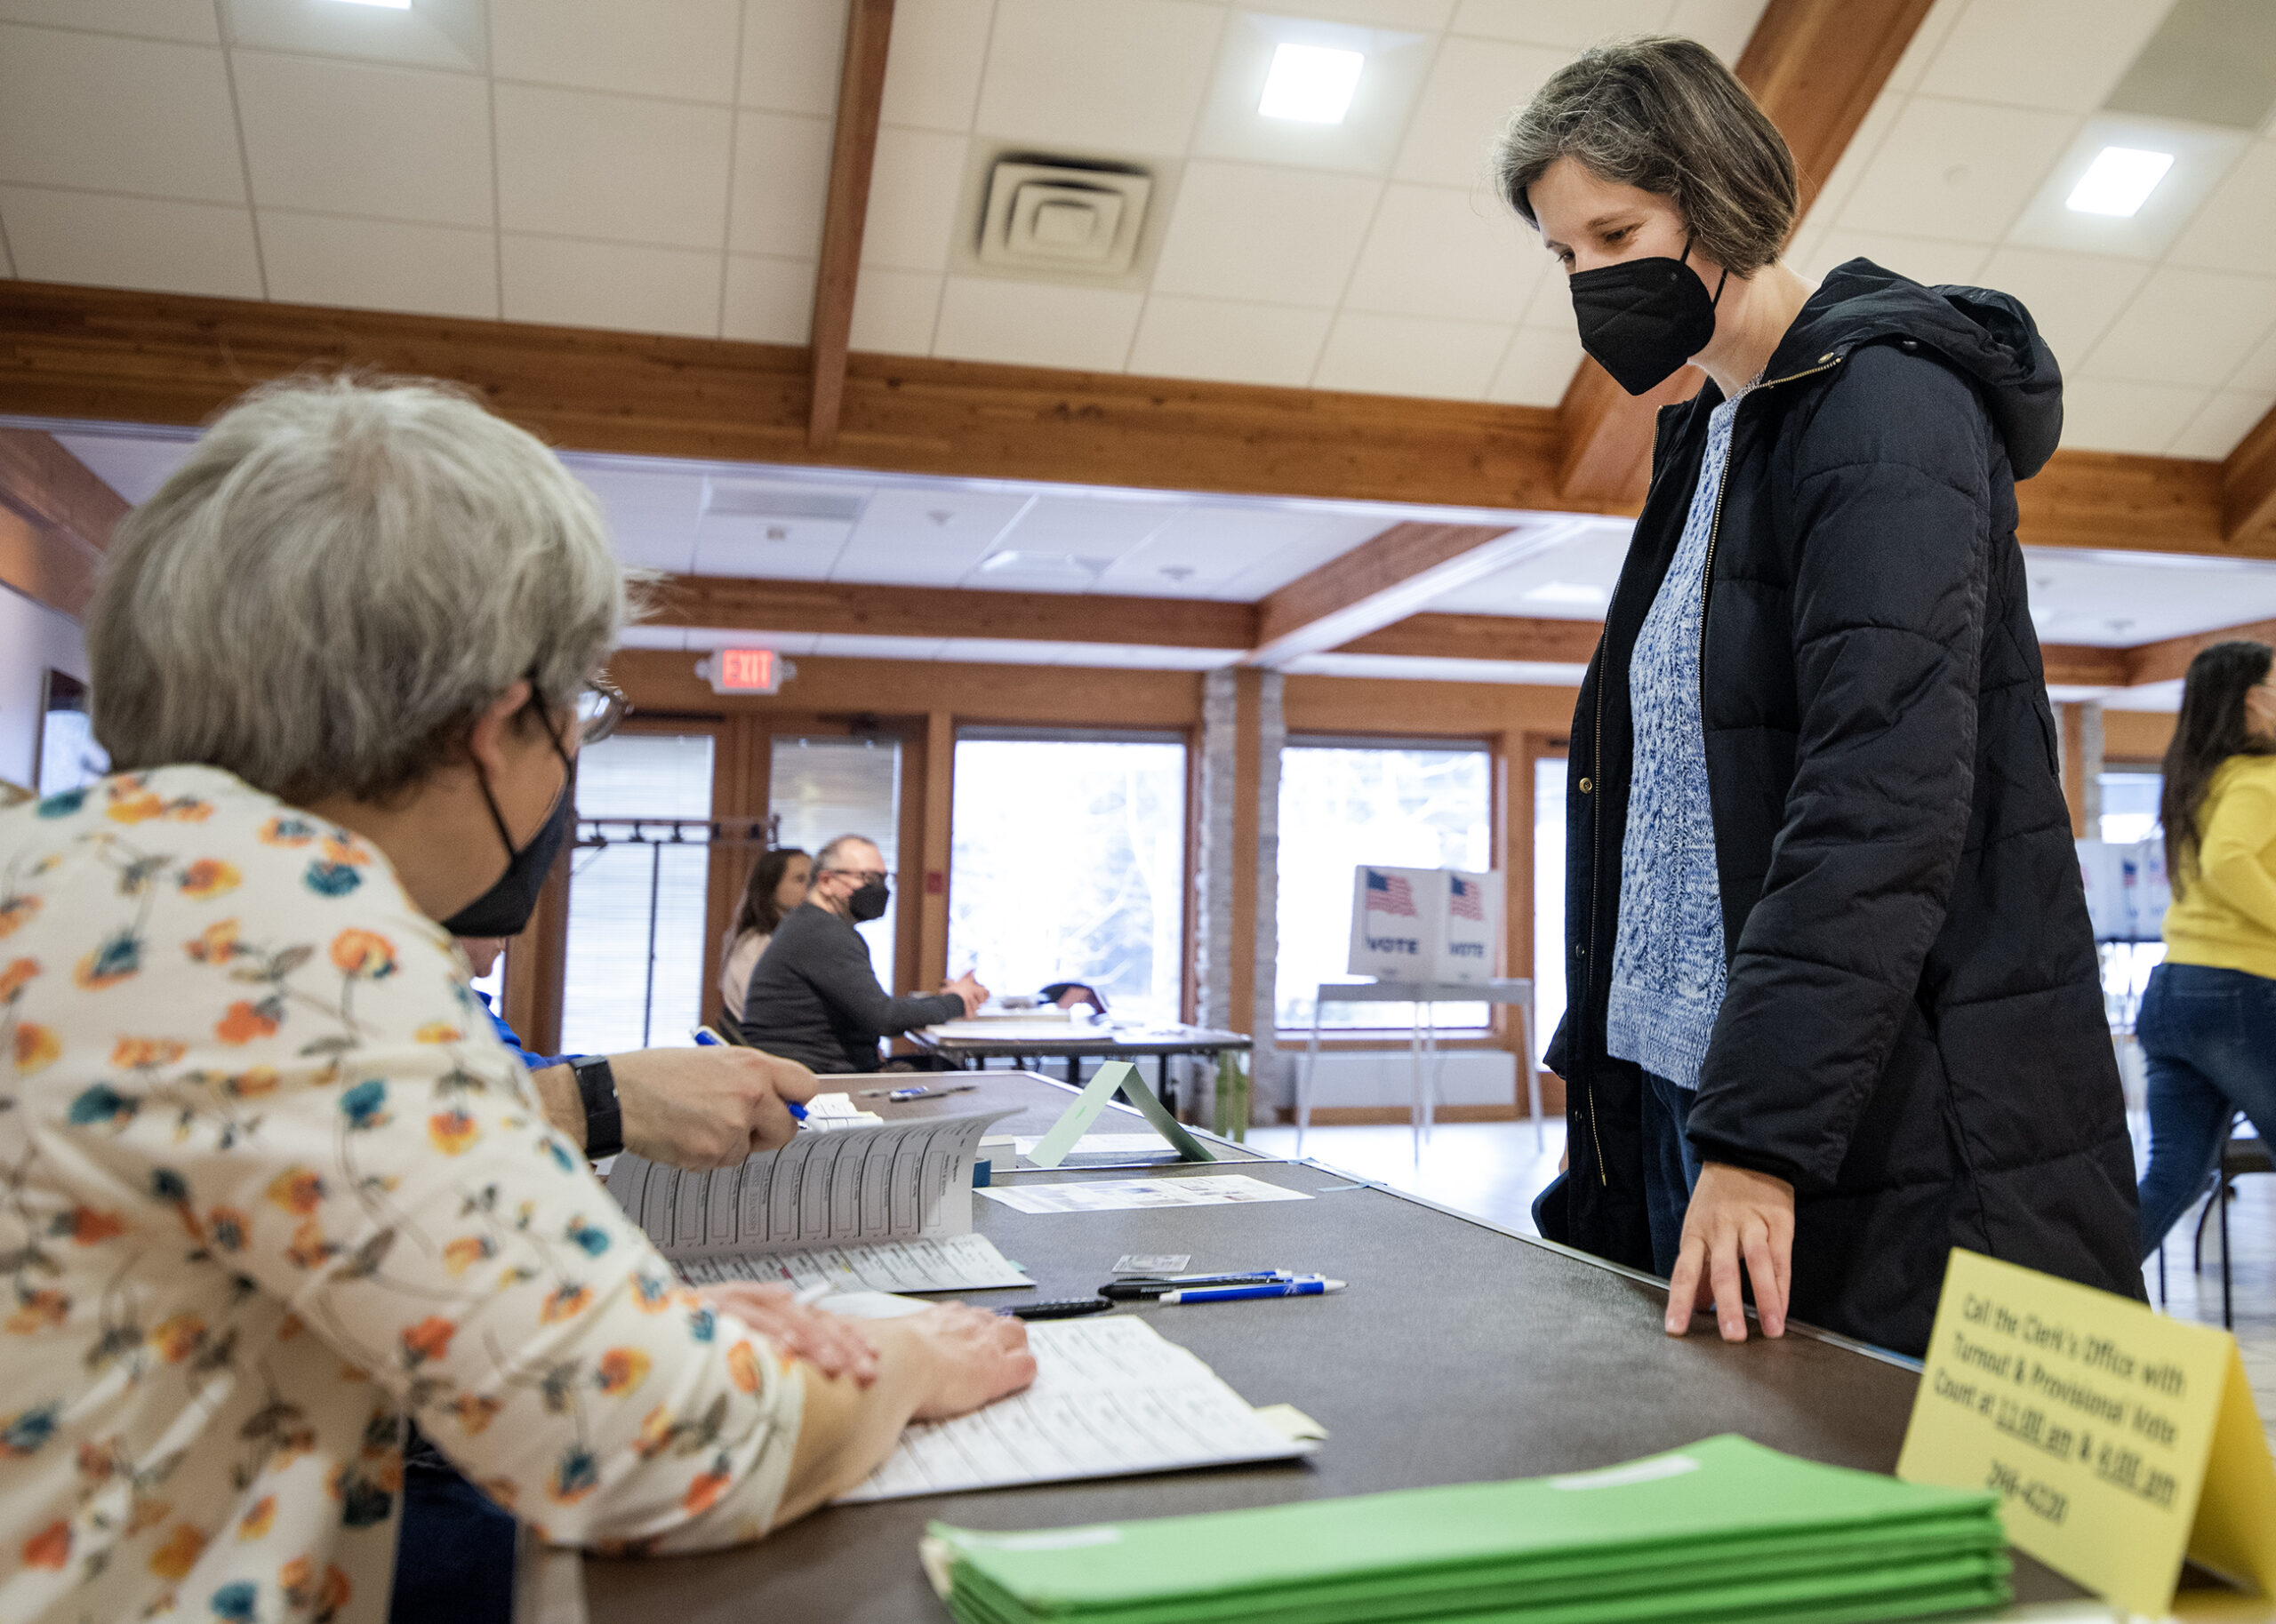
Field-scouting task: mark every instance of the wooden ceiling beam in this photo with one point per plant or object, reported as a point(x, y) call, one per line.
point(1483, 636)
point(2169, 661)
point(853, 159)
point(2074, 665)
point(2249, 484)
point(1815, 67)
point(848, 609)
point(56, 519)
point(1386, 578)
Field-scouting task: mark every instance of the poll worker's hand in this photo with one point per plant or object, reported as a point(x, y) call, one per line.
point(699, 1109)
point(1734, 1216)
point(972, 1357)
point(968, 986)
point(829, 1342)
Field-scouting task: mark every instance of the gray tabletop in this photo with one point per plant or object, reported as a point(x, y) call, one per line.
point(1461, 1352)
point(1087, 1041)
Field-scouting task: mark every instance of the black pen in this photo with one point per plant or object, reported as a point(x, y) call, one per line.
point(1137, 1288)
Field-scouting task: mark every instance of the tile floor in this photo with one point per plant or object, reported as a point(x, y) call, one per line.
point(1494, 1170)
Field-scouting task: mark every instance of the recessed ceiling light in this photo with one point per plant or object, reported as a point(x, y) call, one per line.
point(391, 5)
point(2118, 181)
point(1310, 84)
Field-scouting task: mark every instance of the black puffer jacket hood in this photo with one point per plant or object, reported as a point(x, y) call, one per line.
point(1913, 1033)
point(1988, 337)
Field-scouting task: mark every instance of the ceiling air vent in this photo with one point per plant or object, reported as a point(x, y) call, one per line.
point(1063, 216)
point(734, 499)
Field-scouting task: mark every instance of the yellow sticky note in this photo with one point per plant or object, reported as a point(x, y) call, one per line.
point(2117, 1438)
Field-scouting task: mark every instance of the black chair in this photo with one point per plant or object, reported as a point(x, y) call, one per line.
point(2239, 1156)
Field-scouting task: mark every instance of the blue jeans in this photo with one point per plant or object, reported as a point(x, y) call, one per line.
point(454, 1548)
point(1670, 1167)
point(2208, 1038)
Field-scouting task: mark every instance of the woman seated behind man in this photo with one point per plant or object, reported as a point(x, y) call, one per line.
point(273, 1186)
point(777, 885)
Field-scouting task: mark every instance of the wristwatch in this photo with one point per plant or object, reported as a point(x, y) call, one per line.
point(604, 1115)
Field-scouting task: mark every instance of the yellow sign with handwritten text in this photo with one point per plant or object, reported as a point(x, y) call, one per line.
point(2117, 1438)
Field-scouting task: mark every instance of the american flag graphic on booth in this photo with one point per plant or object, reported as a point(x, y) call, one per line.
point(1469, 900)
point(1390, 894)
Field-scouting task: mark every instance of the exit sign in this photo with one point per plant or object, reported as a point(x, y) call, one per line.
point(744, 670)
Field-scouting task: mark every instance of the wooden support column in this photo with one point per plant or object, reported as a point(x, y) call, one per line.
point(1248, 720)
point(935, 837)
point(2082, 742)
point(741, 765)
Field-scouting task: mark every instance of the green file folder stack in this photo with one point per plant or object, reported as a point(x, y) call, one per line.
point(1725, 1529)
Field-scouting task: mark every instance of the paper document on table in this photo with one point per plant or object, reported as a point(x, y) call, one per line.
point(1020, 1029)
point(1217, 1190)
point(837, 1111)
point(1101, 1144)
point(952, 1263)
point(1111, 1399)
point(850, 1206)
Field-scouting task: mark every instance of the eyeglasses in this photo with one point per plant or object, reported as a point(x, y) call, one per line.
point(863, 875)
point(600, 707)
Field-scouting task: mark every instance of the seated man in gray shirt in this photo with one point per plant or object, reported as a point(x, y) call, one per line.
point(813, 997)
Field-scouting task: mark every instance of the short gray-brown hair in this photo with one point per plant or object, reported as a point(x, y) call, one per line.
point(344, 576)
point(1666, 116)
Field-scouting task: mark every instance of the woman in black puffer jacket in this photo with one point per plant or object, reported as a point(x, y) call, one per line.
point(1834, 1007)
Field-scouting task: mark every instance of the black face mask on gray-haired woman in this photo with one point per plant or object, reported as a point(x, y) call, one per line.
point(1643, 318)
point(504, 908)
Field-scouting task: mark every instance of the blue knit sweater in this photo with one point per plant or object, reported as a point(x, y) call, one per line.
point(1668, 969)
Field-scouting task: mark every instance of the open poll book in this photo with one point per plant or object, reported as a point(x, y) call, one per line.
point(872, 1206)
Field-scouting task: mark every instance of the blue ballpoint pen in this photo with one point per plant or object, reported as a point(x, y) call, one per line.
point(1310, 1286)
point(705, 1038)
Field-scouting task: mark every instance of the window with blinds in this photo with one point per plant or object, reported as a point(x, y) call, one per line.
point(639, 886)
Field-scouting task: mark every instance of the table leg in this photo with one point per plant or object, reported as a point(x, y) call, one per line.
point(1533, 1075)
point(1162, 1089)
point(1304, 1086)
point(1075, 1068)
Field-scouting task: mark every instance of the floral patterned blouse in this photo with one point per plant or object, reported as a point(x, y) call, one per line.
point(269, 1184)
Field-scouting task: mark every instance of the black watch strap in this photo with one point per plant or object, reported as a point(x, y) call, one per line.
point(603, 1116)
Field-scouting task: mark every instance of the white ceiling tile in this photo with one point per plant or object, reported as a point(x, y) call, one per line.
point(623, 285)
point(749, 548)
point(1921, 49)
point(1856, 158)
point(680, 48)
point(1200, 551)
point(895, 311)
point(116, 116)
point(1431, 15)
point(1537, 368)
point(2065, 54)
point(1723, 26)
point(2202, 157)
point(1559, 22)
point(2226, 418)
point(1411, 354)
point(651, 517)
point(769, 301)
point(1552, 308)
point(1106, 74)
point(131, 465)
point(926, 538)
point(588, 164)
point(2112, 601)
point(781, 184)
point(1474, 86)
point(2074, 297)
point(1551, 586)
point(1365, 139)
point(353, 137)
point(1924, 260)
point(1435, 250)
point(1331, 535)
point(379, 264)
point(2236, 229)
point(1276, 236)
point(1957, 170)
point(793, 53)
point(1226, 342)
point(191, 21)
point(1035, 323)
point(914, 187)
point(131, 242)
point(2164, 336)
point(451, 33)
point(2141, 418)
point(933, 70)
point(2258, 370)
point(1102, 526)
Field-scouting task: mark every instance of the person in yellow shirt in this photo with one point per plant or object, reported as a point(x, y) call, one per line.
point(2207, 1027)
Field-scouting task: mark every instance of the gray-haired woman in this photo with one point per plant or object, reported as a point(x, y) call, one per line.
point(272, 1184)
point(1834, 1002)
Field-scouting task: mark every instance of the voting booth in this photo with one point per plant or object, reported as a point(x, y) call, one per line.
point(2128, 891)
point(1424, 924)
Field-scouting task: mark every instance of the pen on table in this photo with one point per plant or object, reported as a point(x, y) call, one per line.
point(901, 1095)
point(1310, 1286)
point(1072, 1308)
point(705, 1038)
point(1141, 1286)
